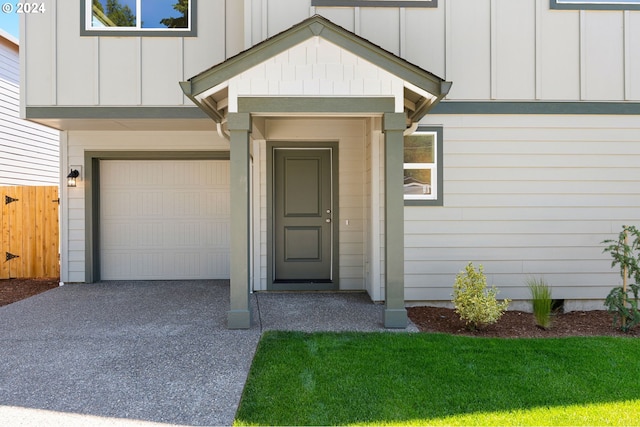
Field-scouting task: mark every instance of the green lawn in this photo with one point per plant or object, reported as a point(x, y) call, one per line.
point(433, 379)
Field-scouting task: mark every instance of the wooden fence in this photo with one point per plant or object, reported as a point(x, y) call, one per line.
point(30, 232)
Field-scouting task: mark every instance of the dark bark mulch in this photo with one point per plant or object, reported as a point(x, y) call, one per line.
point(518, 324)
point(12, 290)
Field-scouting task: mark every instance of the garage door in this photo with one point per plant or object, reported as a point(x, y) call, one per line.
point(162, 220)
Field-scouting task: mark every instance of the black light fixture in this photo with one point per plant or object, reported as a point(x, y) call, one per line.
point(71, 178)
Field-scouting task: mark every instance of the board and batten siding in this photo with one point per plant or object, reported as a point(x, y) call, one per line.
point(527, 196)
point(489, 49)
point(28, 151)
point(65, 69)
point(503, 49)
point(75, 143)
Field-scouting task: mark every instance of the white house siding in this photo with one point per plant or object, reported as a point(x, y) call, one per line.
point(120, 71)
point(511, 49)
point(350, 134)
point(632, 62)
point(522, 50)
point(523, 195)
point(527, 196)
point(28, 151)
point(72, 267)
point(490, 49)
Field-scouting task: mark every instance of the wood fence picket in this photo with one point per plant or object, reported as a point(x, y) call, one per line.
point(30, 232)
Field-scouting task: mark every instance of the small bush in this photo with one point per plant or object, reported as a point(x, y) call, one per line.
point(624, 307)
point(626, 254)
point(541, 300)
point(474, 303)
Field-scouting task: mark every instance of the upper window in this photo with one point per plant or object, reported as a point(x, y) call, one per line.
point(596, 4)
point(139, 17)
point(376, 3)
point(423, 167)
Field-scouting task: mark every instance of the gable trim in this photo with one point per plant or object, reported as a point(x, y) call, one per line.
point(316, 26)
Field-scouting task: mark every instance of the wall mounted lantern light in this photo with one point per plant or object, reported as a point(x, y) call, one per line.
point(71, 178)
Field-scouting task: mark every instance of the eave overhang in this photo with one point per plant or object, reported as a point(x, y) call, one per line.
point(209, 89)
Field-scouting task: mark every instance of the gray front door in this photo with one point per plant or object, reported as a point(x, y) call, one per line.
point(303, 219)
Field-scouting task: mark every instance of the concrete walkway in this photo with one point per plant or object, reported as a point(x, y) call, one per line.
point(147, 353)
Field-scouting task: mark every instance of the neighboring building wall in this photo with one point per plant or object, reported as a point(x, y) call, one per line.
point(28, 151)
point(527, 196)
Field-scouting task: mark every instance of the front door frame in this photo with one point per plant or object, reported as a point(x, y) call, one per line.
point(335, 283)
point(393, 126)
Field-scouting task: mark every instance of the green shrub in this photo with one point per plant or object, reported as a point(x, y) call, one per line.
point(541, 301)
point(624, 307)
point(626, 254)
point(474, 303)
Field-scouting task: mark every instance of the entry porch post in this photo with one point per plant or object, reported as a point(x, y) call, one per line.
point(239, 316)
point(395, 313)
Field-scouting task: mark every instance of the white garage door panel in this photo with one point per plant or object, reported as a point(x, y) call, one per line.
point(162, 220)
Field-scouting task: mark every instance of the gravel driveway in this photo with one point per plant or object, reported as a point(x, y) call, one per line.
point(133, 353)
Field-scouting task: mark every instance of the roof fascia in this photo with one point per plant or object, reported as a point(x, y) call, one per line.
point(211, 112)
point(421, 112)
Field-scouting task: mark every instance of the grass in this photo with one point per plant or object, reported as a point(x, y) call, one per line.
point(436, 379)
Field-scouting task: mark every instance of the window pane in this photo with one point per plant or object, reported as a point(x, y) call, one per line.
point(418, 148)
point(165, 13)
point(417, 181)
point(113, 13)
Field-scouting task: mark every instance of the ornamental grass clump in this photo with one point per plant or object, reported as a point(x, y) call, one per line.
point(541, 301)
point(474, 302)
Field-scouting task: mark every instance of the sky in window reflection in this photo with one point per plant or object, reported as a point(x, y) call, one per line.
point(154, 13)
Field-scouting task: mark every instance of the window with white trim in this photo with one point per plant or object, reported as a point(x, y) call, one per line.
point(596, 4)
point(422, 173)
point(138, 17)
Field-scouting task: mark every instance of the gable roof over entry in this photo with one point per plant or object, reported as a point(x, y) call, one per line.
point(316, 58)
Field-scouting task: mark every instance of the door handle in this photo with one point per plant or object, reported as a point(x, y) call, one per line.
point(327, 220)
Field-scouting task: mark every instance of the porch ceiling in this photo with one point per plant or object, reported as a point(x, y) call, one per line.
point(379, 73)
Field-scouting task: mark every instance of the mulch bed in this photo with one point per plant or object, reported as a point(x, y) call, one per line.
point(518, 324)
point(12, 290)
